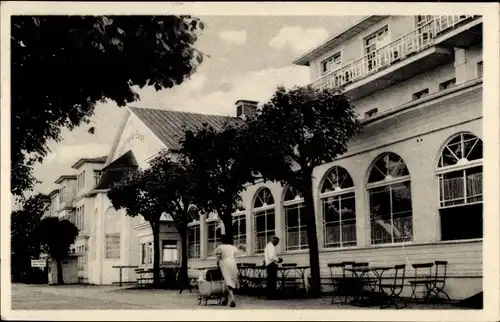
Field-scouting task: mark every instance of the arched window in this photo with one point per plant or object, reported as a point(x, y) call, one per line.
point(295, 223)
point(264, 219)
point(460, 173)
point(389, 188)
point(339, 209)
point(239, 226)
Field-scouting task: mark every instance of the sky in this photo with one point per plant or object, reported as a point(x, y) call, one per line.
point(249, 57)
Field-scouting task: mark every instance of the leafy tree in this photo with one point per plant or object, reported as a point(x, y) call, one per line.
point(137, 194)
point(219, 172)
point(172, 185)
point(24, 240)
point(296, 131)
point(63, 65)
point(56, 236)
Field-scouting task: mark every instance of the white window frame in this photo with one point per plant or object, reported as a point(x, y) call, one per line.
point(173, 246)
point(240, 216)
point(462, 165)
point(195, 225)
point(378, 45)
point(330, 61)
point(62, 194)
point(97, 176)
point(296, 203)
point(389, 181)
point(107, 254)
point(216, 223)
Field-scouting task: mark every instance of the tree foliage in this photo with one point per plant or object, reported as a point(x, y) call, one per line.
point(62, 65)
point(56, 237)
point(25, 243)
point(297, 130)
point(219, 170)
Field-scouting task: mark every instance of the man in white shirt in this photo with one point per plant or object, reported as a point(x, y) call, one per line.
point(271, 261)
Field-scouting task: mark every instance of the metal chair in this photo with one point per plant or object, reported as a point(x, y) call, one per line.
point(338, 277)
point(393, 290)
point(439, 282)
point(422, 279)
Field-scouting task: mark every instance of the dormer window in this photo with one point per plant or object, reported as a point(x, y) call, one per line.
point(62, 194)
point(331, 63)
point(97, 176)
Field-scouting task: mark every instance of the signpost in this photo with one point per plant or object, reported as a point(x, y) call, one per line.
point(38, 263)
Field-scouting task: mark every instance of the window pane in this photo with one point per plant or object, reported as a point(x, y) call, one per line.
point(348, 203)
point(270, 220)
point(452, 188)
point(292, 216)
point(474, 184)
point(380, 208)
point(463, 222)
point(260, 222)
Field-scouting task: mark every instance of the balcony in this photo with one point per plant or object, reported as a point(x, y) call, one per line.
point(406, 56)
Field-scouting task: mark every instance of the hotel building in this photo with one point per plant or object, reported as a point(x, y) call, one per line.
point(408, 190)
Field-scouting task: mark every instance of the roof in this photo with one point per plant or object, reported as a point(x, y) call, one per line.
point(336, 40)
point(169, 126)
point(116, 170)
point(81, 161)
point(53, 192)
point(65, 177)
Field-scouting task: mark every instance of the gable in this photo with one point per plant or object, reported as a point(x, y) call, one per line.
point(137, 138)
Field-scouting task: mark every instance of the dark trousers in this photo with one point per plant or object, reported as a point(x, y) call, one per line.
point(272, 272)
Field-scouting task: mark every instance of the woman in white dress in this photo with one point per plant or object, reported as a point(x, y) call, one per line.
point(226, 261)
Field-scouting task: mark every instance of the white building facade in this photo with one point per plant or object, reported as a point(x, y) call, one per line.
point(408, 190)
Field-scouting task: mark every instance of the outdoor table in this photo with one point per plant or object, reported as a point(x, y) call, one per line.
point(285, 270)
point(121, 267)
point(361, 272)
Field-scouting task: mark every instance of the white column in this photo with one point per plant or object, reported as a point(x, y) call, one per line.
point(363, 232)
point(279, 222)
point(460, 65)
point(249, 231)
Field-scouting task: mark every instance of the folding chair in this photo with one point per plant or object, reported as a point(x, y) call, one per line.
point(422, 279)
point(371, 282)
point(393, 290)
point(438, 284)
point(337, 275)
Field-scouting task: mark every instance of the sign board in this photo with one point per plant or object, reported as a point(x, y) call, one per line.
point(38, 263)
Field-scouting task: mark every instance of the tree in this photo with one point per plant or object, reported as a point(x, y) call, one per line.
point(137, 194)
point(56, 236)
point(172, 184)
point(296, 131)
point(219, 172)
point(24, 240)
point(62, 65)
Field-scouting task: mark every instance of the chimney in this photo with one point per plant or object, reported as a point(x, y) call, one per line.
point(245, 109)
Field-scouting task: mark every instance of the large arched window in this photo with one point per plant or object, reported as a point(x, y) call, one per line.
point(339, 209)
point(460, 173)
point(264, 219)
point(295, 223)
point(389, 188)
point(214, 233)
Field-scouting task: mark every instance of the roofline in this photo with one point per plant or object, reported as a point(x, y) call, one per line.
point(305, 58)
point(53, 192)
point(65, 176)
point(82, 161)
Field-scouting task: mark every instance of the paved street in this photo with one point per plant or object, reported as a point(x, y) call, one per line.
point(79, 297)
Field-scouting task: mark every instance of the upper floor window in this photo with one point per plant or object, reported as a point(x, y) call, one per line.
point(447, 84)
point(62, 194)
point(97, 176)
point(375, 41)
point(80, 217)
point(170, 253)
point(331, 63)
point(422, 20)
point(480, 69)
point(80, 180)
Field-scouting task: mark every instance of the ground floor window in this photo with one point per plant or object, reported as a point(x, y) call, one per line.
point(339, 220)
point(295, 227)
point(147, 253)
point(194, 241)
point(214, 234)
point(264, 228)
point(461, 206)
point(391, 213)
point(112, 246)
point(170, 253)
point(239, 229)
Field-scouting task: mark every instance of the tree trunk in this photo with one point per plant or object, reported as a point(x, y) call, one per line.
point(312, 237)
point(156, 253)
point(183, 274)
point(60, 279)
point(228, 224)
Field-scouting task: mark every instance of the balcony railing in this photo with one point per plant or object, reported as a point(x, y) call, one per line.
point(406, 45)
